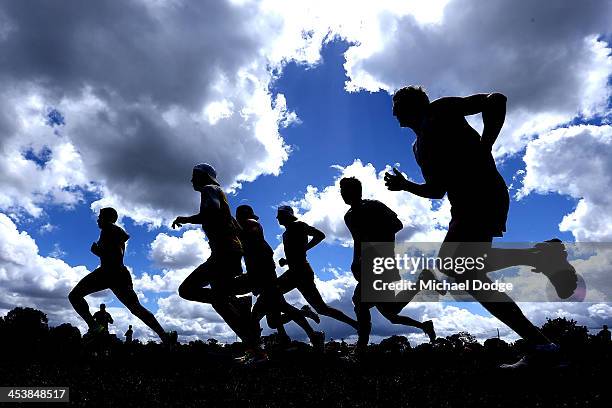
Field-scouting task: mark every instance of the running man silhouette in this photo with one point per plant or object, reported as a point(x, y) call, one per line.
point(371, 221)
point(224, 264)
point(103, 318)
point(262, 281)
point(457, 161)
point(112, 274)
point(300, 275)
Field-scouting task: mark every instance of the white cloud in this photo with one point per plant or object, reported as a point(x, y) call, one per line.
point(30, 280)
point(324, 208)
point(575, 161)
point(189, 250)
point(186, 84)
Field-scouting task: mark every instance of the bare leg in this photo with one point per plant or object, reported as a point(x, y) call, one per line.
point(129, 298)
point(498, 304)
point(94, 282)
point(297, 316)
point(313, 297)
point(364, 318)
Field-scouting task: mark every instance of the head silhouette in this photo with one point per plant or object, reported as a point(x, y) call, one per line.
point(107, 215)
point(350, 189)
point(102, 307)
point(285, 215)
point(203, 175)
point(410, 105)
point(605, 327)
point(130, 326)
point(245, 212)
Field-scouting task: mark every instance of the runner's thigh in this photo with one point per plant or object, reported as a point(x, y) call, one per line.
point(94, 282)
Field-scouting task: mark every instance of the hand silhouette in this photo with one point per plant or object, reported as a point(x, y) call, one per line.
point(396, 181)
point(282, 262)
point(177, 223)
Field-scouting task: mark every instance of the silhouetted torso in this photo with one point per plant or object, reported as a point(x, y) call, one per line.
point(450, 154)
point(219, 226)
point(372, 221)
point(369, 222)
point(103, 319)
point(604, 336)
point(258, 255)
point(295, 239)
point(111, 245)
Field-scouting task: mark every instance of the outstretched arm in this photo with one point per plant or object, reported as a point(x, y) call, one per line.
point(397, 182)
point(192, 219)
point(317, 237)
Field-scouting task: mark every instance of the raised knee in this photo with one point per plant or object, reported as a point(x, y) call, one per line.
point(73, 296)
point(184, 292)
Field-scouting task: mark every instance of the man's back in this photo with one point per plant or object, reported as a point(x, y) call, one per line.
point(295, 239)
point(258, 255)
point(372, 221)
point(103, 318)
point(220, 226)
point(451, 155)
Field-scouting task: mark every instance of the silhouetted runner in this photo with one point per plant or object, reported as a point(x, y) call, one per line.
point(112, 274)
point(224, 264)
point(371, 221)
point(103, 318)
point(262, 281)
point(455, 160)
point(128, 334)
point(300, 275)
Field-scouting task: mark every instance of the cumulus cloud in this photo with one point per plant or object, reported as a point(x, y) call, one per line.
point(142, 104)
point(30, 280)
point(323, 208)
point(165, 86)
point(550, 61)
point(575, 161)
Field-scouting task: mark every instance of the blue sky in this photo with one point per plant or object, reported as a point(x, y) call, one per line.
point(312, 103)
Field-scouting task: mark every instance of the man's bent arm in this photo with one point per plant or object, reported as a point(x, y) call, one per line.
point(492, 106)
point(317, 237)
point(493, 118)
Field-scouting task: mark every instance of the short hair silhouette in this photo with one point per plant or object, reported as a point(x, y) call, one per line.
point(351, 184)
point(109, 214)
point(414, 96)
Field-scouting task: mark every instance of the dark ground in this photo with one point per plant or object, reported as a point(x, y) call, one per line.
point(455, 371)
point(302, 378)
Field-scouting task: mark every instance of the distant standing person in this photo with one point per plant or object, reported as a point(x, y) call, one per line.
point(103, 318)
point(112, 274)
point(300, 276)
point(370, 221)
point(604, 335)
point(456, 161)
point(128, 334)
